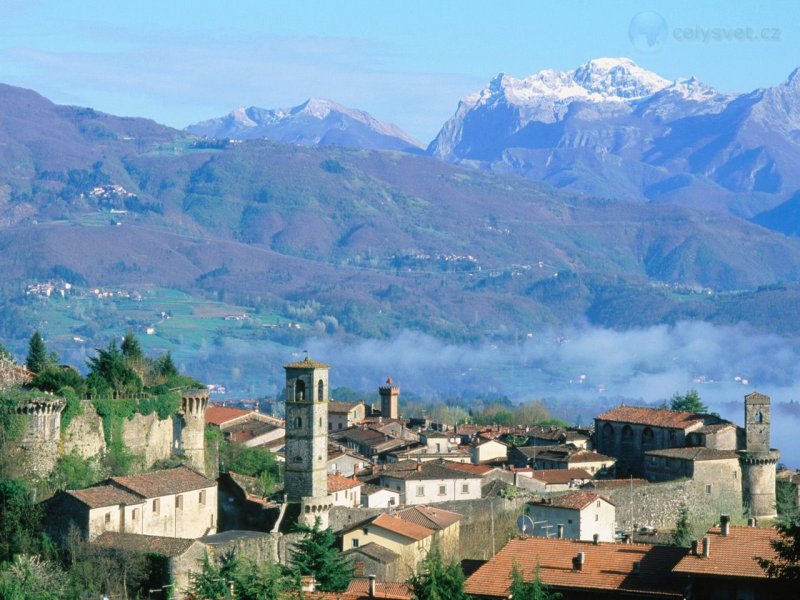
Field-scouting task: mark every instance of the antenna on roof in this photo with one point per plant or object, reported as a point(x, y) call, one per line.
point(525, 525)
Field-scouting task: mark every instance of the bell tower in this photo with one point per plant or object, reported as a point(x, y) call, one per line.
point(758, 460)
point(307, 397)
point(390, 394)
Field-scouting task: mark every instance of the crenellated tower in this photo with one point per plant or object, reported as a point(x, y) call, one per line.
point(193, 425)
point(39, 443)
point(390, 398)
point(307, 397)
point(758, 460)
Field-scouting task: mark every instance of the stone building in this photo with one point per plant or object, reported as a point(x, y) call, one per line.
point(177, 503)
point(342, 415)
point(39, 443)
point(192, 434)
point(427, 482)
point(390, 400)
point(758, 460)
point(307, 397)
point(628, 432)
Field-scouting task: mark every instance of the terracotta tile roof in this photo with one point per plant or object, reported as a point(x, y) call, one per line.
point(560, 476)
point(217, 415)
point(607, 567)
point(657, 417)
point(306, 363)
point(338, 483)
point(733, 555)
point(164, 483)
point(430, 518)
point(590, 456)
point(396, 590)
point(405, 528)
point(434, 469)
point(374, 551)
point(105, 495)
point(371, 488)
point(694, 453)
point(573, 500)
point(145, 544)
point(470, 468)
point(341, 407)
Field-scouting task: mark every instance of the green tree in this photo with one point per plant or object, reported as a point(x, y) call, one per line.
point(786, 564)
point(31, 578)
point(785, 500)
point(264, 581)
point(54, 377)
point(435, 580)
point(682, 536)
point(110, 375)
point(316, 554)
point(534, 589)
point(690, 402)
point(165, 366)
point(37, 358)
point(211, 582)
point(130, 347)
point(249, 461)
point(20, 520)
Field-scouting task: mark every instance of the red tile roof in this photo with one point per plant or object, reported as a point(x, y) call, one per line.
point(733, 555)
point(218, 415)
point(400, 527)
point(657, 417)
point(397, 591)
point(338, 483)
point(560, 476)
point(574, 500)
point(433, 469)
point(607, 567)
point(430, 518)
point(470, 468)
point(105, 495)
point(164, 483)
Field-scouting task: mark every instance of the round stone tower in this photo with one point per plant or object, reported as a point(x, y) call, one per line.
point(390, 397)
point(307, 397)
point(39, 443)
point(193, 426)
point(758, 460)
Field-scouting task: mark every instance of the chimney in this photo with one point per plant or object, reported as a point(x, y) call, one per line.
point(694, 547)
point(561, 531)
point(706, 547)
point(751, 522)
point(418, 467)
point(355, 469)
point(596, 539)
point(578, 561)
point(724, 525)
point(372, 586)
point(636, 566)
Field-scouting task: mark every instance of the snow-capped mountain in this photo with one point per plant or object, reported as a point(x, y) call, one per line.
point(612, 128)
point(316, 122)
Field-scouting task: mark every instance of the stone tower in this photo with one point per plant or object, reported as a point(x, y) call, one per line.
point(193, 426)
point(307, 397)
point(39, 443)
point(758, 460)
point(390, 396)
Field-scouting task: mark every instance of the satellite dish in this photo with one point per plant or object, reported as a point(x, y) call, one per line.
point(525, 525)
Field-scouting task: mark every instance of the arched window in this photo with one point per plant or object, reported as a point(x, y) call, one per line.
point(608, 433)
point(759, 416)
point(320, 391)
point(299, 390)
point(648, 439)
point(298, 459)
point(298, 422)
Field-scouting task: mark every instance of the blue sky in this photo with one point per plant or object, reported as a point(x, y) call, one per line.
point(406, 62)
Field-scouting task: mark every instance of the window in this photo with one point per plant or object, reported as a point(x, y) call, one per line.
point(420, 490)
point(299, 390)
point(597, 517)
point(298, 459)
point(298, 422)
point(735, 475)
point(202, 497)
point(442, 490)
point(212, 520)
point(156, 506)
point(569, 521)
point(365, 531)
point(391, 501)
point(108, 518)
point(465, 488)
point(598, 504)
point(358, 568)
point(708, 489)
point(340, 425)
point(330, 425)
point(320, 391)
point(179, 501)
point(591, 469)
point(135, 515)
